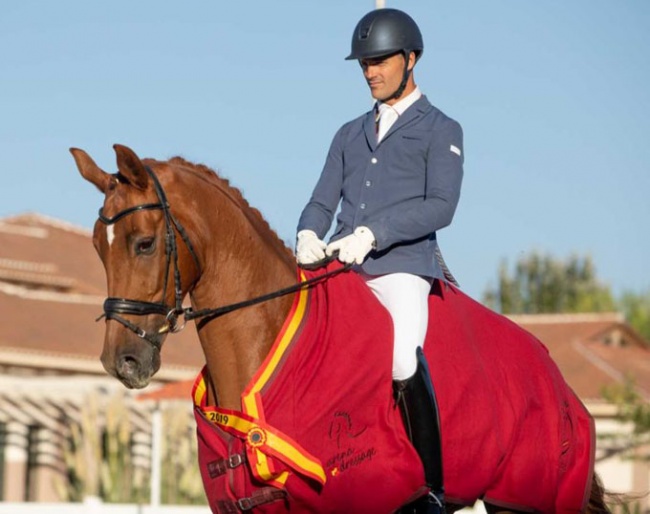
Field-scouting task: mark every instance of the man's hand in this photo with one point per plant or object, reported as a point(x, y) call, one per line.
point(353, 248)
point(309, 248)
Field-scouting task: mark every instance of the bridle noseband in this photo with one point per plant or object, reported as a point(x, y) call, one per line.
point(113, 307)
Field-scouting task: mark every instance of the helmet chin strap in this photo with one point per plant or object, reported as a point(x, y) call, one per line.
point(405, 77)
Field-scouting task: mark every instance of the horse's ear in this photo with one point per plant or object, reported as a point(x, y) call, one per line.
point(130, 167)
point(89, 170)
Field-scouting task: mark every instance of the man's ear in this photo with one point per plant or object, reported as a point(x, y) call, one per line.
point(411, 62)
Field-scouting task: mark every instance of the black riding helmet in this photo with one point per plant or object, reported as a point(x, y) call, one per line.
point(384, 32)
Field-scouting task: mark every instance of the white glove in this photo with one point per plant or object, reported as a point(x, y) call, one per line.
point(309, 248)
point(353, 248)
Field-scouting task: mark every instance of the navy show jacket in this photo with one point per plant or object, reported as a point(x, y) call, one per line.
point(404, 189)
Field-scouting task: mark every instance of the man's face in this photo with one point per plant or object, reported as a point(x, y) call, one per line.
point(384, 74)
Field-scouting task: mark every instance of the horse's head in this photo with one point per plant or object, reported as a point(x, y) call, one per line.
point(148, 268)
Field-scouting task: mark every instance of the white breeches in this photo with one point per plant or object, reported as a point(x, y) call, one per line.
point(405, 296)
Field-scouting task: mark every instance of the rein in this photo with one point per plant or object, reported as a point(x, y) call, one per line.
point(210, 314)
point(113, 306)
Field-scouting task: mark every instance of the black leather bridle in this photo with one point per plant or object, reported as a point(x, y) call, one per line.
point(114, 307)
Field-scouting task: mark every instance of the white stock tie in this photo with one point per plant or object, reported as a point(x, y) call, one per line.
point(387, 116)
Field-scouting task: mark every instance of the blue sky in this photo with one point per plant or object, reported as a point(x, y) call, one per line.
point(552, 96)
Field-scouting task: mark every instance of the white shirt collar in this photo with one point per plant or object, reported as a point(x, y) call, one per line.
point(406, 102)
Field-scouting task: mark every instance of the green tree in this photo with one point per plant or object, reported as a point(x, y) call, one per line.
point(636, 307)
point(541, 283)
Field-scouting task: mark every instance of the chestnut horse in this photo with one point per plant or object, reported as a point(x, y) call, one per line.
point(169, 229)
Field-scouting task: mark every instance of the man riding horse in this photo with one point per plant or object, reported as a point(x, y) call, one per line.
point(396, 171)
point(285, 424)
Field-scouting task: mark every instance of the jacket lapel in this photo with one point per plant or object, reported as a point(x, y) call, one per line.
point(412, 114)
point(370, 130)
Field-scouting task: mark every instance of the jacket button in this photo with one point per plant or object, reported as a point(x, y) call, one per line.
point(362, 206)
point(373, 160)
point(368, 183)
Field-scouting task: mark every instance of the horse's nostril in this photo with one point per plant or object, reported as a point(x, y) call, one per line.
point(128, 366)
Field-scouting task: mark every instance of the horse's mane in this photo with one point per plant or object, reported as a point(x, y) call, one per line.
point(253, 214)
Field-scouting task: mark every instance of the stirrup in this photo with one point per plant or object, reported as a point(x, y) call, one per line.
point(430, 504)
point(437, 501)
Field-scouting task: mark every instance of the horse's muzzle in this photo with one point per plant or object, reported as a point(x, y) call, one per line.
point(134, 372)
point(131, 373)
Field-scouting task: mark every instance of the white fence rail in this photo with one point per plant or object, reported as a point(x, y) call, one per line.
point(111, 508)
point(95, 508)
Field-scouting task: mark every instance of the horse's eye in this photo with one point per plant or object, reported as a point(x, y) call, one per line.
point(145, 246)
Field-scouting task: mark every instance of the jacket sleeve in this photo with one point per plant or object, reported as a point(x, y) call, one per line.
point(319, 211)
point(444, 175)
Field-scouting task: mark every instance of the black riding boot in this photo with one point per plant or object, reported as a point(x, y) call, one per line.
point(417, 403)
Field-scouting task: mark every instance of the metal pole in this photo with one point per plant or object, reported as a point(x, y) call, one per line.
point(156, 454)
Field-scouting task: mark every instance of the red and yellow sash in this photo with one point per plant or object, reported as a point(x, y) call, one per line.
point(262, 440)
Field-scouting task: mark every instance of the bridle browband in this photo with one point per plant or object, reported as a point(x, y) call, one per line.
point(114, 307)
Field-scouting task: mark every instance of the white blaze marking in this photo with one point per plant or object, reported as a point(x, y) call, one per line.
point(110, 235)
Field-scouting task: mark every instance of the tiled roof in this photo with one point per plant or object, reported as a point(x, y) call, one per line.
point(52, 287)
point(593, 350)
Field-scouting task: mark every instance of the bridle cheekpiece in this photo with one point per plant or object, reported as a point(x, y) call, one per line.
point(115, 307)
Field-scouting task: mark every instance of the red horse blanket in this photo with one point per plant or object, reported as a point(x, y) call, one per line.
point(318, 430)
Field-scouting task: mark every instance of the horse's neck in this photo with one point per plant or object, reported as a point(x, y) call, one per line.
point(236, 344)
point(234, 351)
